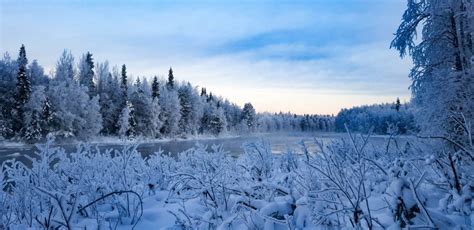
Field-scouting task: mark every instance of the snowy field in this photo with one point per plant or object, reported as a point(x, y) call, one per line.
point(273, 182)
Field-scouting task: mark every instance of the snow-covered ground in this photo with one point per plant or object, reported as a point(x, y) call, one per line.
point(347, 183)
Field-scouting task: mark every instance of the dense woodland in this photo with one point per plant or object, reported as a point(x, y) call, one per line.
point(385, 118)
point(88, 99)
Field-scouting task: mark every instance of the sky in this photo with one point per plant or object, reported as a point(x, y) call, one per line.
point(307, 57)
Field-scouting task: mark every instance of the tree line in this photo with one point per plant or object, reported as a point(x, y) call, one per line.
point(386, 118)
point(88, 99)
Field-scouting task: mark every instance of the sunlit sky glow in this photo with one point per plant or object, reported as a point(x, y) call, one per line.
point(299, 56)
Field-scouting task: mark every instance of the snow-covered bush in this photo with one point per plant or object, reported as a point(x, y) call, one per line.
point(60, 189)
point(209, 177)
point(347, 183)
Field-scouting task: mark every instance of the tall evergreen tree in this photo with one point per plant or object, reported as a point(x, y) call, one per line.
point(170, 83)
point(397, 104)
point(132, 128)
point(249, 117)
point(155, 88)
point(33, 131)
point(47, 117)
point(442, 70)
point(22, 92)
point(124, 80)
point(86, 74)
point(186, 105)
point(8, 74)
point(210, 98)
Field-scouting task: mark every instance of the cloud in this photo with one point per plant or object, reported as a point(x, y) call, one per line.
point(247, 51)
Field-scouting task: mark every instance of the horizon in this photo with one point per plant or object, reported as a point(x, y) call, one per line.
point(306, 58)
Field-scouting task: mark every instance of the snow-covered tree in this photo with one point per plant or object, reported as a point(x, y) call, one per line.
point(36, 74)
point(8, 74)
point(191, 109)
point(111, 98)
point(22, 91)
point(48, 117)
point(170, 111)
point(155, 88)
point(34, 125)
point(76, 113)
point(397, 104)
point(65, 70)
point(249, 117)
point(170, 83)
point(92, 119)
point(442, 90)
point(156, 123)
point(442, 73)
point(124, 83)
point(127, 124)
point(142, 104)
point(86, 73)
point(213, 121)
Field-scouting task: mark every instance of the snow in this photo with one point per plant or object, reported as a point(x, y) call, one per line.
point(11, 144)
point(206, 188)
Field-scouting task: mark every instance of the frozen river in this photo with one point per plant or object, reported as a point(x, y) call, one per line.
point(278, 141)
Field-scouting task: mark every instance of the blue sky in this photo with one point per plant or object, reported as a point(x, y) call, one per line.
point(300, 56)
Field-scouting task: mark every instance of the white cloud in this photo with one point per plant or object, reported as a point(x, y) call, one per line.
point(343, 57)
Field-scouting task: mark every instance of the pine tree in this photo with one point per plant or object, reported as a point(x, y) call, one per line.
point(184, 94)
point(203, 92)
point(155, 87)
point(142, 105)
point(47, 117)
point(23, 91)
point(86, 75)
point(397, 105)
point(170, 83)
point(213, 120)
point(8, 74)
point(123, 122)
point(33, 131)
point(127, 123)
point(249, 116)
point(132, 128)
point(210, 98)
point(124, 81)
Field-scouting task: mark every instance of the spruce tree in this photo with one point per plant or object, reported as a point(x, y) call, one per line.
point(203, 92)
point(397, 104)
point(132, 123)
point(124, 87)
point(127, 123)
point(22, 92)
point(86, 76)
point(184, 95)
point(170, 83)
point(47, 117)
point(210, 98)
point(124, 80)
point(249, 116)
point(155, 88)
point(33, 131)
